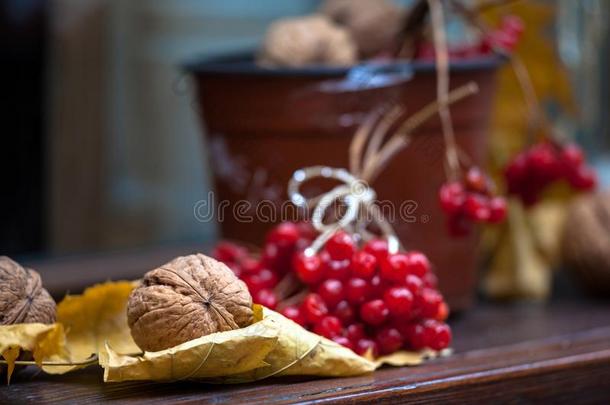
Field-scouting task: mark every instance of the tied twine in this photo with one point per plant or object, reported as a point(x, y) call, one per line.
point(369, 154)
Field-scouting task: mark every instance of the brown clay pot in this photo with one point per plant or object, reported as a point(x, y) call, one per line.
point(264, 124)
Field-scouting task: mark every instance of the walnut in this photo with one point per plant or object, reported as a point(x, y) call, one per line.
point(22, 298)
point(307, 40)
point(586, 241)
point(187, 298)
point(373, 24)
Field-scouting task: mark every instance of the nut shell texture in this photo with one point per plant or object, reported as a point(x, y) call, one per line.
point(185, 299)
point(22, 298)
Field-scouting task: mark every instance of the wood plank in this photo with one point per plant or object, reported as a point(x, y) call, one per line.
point(524, 353)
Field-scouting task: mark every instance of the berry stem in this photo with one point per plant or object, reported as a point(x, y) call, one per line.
point(442, 85)
point(536, 117)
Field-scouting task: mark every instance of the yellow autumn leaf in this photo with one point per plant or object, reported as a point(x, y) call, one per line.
point(519, 268)
point(273, 346)
point(42, 341)
point(92, 319)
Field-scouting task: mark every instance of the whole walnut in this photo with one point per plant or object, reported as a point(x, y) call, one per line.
point(22, 298)
point(187, 298)
point(374, 25)
point(586, 241)
point(302, 41)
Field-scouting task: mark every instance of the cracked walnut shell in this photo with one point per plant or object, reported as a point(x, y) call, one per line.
point(22, 298)
point(185, 299)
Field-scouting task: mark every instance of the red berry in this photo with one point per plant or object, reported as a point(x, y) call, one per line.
point(264, 279)
point(340, 246)
point(430, 280)
point(355, 332)
point(475, 180)
point(543, 162)
point(344, 312)
point(377, 286)
point(583, 178)
point(314, 308)
point(378, 248)
point(451, 197)
point(367, 347)
point(229, 252)
point(399, 301)
point(418, 264)
point(364, 265)
point(414, 284)
point(436, 335)
point(329, 327)
point(513, 25)
point(306, 230)
point(443, 312)
point(389, 340)
point(266, 298)
point(343, 341)
point(497, 210)
point(428, 302)
point(358, 291)
point(516, 173)
point(572, 155)
point(308, 268)
point(332, 292)
point(337, 269)
point(476, 208)
point(250, 265)
point(501, 39)
point(374, 312)
point(294, 313)
point(276, 259)
point(284, 235)
point(395, 267)
point(414, 335)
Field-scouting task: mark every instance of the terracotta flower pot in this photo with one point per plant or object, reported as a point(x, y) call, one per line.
point(263, 124)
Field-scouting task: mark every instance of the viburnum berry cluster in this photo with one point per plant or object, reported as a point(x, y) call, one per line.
point(366, 299)
point(505, 38)
point(531, 171)
point(470, 200)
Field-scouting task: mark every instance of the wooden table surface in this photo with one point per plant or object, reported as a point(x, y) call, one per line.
point(557, 352)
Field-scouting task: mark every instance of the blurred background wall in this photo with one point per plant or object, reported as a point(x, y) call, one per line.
point(127, 151)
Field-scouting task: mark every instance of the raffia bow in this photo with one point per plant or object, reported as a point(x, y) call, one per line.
point(369, 154)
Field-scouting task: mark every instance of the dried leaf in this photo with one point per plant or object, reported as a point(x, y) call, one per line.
point(404, 358)
point(519, 269)
point(273, 346)
point(42, 341)
point(91, 320)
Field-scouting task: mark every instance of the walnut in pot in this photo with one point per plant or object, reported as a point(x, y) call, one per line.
point(22, 298)
point(187, 298)
point(374, 25)
point(303, 41)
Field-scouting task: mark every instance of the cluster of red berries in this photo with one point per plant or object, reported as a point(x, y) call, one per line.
point(470, 200)
point(505, 37)
point(369, 299)
point(531, 171)
point(365, 299)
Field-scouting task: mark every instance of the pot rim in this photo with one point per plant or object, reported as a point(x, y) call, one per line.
point(242, 63)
